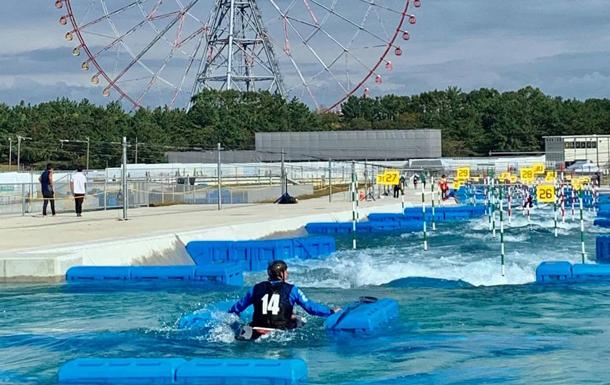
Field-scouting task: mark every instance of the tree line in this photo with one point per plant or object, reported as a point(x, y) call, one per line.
point(472, 123)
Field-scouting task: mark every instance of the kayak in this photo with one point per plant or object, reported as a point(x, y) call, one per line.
point(252, 333)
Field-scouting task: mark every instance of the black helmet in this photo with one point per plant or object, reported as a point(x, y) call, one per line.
point(276, 268)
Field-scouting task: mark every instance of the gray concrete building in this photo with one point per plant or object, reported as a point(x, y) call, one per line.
point(323, 145)
point(352, 145)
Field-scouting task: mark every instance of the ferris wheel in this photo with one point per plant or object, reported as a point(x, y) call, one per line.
point(162, 52)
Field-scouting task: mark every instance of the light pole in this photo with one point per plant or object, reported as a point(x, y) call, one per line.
point(62, 141)
point(10, 153)
point(88, 146)
point(219, 176)
point(19, 139)
point(124, 179)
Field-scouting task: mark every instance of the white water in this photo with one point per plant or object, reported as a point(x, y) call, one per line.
point(458, 251)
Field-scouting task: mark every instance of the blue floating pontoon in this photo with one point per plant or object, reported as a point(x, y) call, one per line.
point(446, 213)
point(603, 207)
point(386, 217)
point(255, 255)
point(97, 273)
point(602, 222)
point(365, 317)
point(151, 371)
point(363, 227)
point(242, 371)
point(554, 272)
point(590, 273)
point(565, 272)
point(120, 370)
point(602, 249)
point(226, 273)
point(603, 200)
point(417, 216)
point(161, 273)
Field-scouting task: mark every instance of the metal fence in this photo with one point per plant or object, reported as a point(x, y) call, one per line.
point(167, 186)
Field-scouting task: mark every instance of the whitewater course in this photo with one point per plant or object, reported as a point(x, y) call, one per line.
point(451, 314)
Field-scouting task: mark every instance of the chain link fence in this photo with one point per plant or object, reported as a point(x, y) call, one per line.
point(159, 186)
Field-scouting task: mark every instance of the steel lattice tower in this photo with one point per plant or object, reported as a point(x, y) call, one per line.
point(238, 53)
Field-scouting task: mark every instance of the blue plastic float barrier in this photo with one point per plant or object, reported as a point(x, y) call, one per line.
point(604, 213)
point(242, 371)
point(363, 317)
point(151, 371)
point(226, 273)
point(313, 247)
point(363, 227)
point(205, 252)
point(478, 210)
point(474, 211)
point(256, 255)
point(161, 273)
point(439, 216)
point(563, 272)
point(602, 249)
point(261, 253)
point(603, 199)
point(410, 226)
point(386, 217)
point(590, 273)
point(120, 370)
point(554, 271)
point(458, 216)
point(97, 273)
point(602, 222)
point(446, 213)
point(603, 210)
point(330, 227)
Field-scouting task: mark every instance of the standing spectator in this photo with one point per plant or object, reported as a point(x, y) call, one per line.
point(78, 185)
point(415, 181)
point(396, 190)
point(598, 179)
point(403, 184)
point(444, 187)
point(422, 177)
point(46, 186)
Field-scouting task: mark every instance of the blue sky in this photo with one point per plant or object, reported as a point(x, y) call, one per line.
point(560, 46)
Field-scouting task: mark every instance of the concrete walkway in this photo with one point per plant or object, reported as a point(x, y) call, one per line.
point(35, 246)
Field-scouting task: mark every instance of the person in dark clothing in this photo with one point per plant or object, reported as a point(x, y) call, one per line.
point(46, 187)
point(396, 190)
point(598, 179)
point(273, 301)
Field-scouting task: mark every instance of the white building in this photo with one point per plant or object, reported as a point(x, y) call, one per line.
point(560, 150)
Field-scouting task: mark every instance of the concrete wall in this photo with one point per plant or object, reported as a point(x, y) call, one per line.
point(159, 249)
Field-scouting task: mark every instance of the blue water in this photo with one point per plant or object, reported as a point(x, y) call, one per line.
point(463, 324)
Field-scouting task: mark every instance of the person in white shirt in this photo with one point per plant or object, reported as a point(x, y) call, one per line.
point(78, 185)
